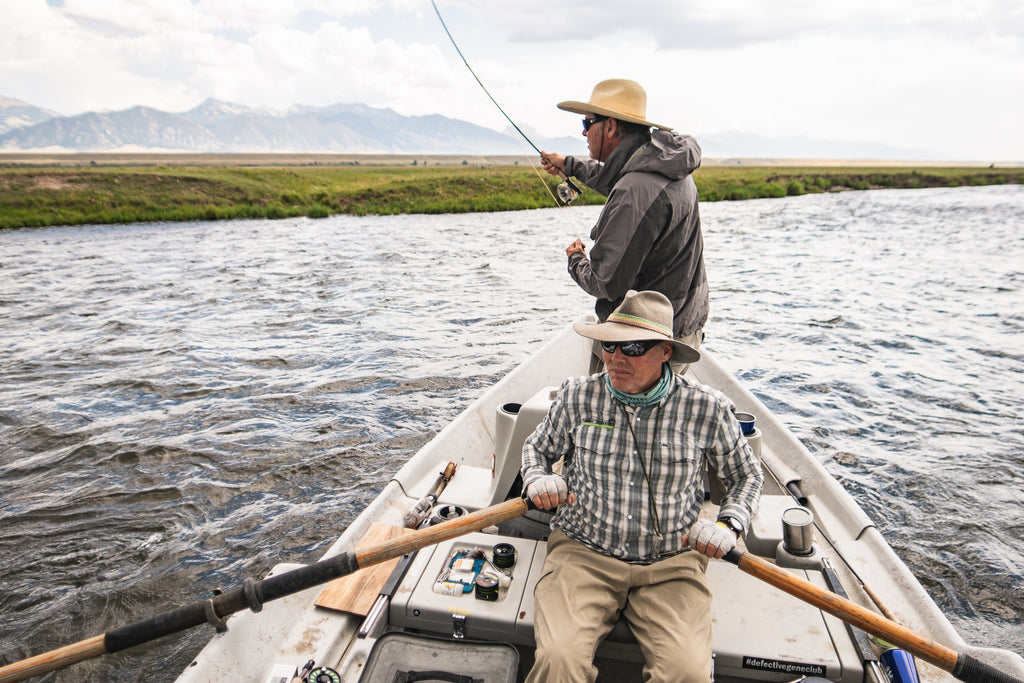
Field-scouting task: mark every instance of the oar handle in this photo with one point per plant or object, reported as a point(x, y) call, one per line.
point(252, 594)
point(52, 660)
point(962, 666)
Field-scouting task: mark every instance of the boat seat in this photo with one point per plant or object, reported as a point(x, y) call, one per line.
point(513, 424)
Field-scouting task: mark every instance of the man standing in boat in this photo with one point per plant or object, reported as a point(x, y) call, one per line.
point(626, 538)
point(648, 235)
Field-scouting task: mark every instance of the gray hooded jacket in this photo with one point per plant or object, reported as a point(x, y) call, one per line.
point(648, 235)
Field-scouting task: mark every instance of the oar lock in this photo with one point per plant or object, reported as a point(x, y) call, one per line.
point(798, 531)
point(252, 591)
point(797, 548)
point(211, 616)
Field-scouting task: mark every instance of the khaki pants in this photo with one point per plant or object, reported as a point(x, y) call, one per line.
point(579, 597)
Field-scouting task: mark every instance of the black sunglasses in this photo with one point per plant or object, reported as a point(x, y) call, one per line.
point(587, 123)
point(630, 348)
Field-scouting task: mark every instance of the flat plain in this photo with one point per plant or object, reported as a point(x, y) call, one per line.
point(73, 189)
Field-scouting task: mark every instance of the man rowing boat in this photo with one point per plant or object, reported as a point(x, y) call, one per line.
point(635, 439)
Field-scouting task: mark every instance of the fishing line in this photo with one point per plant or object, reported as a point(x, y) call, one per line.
point(548, 187)
point(567, 191)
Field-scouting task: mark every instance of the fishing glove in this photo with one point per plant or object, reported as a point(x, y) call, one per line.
point(711, 539)
point(547, 492)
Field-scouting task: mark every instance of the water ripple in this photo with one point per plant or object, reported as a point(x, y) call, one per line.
point(189, 404)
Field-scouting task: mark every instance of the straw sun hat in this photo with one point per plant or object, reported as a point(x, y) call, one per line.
point(615, 98)
point(641, 316)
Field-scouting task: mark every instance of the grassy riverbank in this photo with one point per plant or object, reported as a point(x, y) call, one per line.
point(33, 196)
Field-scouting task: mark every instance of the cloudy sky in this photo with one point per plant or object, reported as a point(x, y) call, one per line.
point(915, 74)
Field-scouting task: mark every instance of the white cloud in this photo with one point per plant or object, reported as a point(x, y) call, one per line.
point(916, 73)
point(712, 24)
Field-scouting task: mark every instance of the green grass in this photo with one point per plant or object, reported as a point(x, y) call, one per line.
point(718, 183)
point(59, 195)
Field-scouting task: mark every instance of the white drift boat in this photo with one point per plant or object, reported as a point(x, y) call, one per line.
point(464, 607)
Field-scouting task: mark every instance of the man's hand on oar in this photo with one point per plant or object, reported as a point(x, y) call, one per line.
point(710, 538)
point(549, 492)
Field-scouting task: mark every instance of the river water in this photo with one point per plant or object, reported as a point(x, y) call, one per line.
point(185, 405)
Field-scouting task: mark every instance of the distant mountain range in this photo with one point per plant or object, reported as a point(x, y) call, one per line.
point(222, 127)
point(17, 114)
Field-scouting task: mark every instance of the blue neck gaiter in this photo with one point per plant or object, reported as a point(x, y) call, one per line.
point(648, 398)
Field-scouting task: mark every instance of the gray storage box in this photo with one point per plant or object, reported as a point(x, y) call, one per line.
point(403, 657)
point(509, 618)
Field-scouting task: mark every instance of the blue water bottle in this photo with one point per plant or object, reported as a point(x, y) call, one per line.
point(899, 666)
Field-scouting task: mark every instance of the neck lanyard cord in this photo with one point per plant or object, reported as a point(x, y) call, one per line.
point(643, 466)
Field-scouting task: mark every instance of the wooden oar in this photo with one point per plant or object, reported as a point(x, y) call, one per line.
point(962, 666)
point(253, 593)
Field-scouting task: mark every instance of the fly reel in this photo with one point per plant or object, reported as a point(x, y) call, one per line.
point(567, 192)
point(323, 674)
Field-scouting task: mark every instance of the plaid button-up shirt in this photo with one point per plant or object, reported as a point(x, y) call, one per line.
point(612, 513)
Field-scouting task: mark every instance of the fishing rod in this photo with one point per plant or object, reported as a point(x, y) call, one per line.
point(418, 512)
point(568, 190)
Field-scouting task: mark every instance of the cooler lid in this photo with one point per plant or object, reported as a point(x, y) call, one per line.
point(400, 657)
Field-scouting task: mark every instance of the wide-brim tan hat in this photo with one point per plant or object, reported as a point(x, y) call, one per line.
point(616, 98)
point(641, 316)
